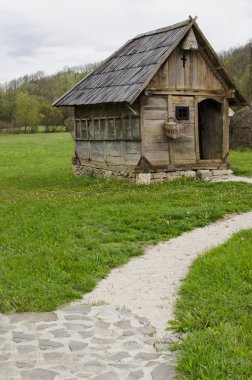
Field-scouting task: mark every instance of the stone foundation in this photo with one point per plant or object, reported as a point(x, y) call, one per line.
point(148, 178)
point(83, 170)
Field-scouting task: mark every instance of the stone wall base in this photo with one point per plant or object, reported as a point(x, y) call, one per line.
point(148, 178)
point(84, 170)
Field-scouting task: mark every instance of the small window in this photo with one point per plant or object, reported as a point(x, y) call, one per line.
point(127, 128)
point(111, 128)
point(103, 126)
point(90, 129)
point(135, 127)
point(77, 128)
point(97, 129)
point(182, 113)
point(84, 130)
point(118, 127)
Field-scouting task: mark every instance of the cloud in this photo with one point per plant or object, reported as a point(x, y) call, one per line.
point(19, 36)
point(50, 34)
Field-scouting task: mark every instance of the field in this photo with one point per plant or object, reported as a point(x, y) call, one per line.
point(241, 160)
point(214, 310)
point(59, 234)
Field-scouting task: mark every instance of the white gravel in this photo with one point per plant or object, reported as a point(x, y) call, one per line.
point(232, 178)
point(148, 284)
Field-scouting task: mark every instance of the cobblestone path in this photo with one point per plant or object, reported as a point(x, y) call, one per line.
point(81, 342)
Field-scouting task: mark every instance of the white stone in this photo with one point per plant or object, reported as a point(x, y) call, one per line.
point(173, 175)
point(161, 372)
point(190, 174)
point(202, 174)
point(159, 175)
point(182, 173)
point(143, 178)
point(220, 172)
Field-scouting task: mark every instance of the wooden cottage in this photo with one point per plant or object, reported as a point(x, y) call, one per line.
point(157, 109)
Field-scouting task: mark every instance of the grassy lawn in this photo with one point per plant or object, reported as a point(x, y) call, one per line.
point(59, 234)
point(241, 160)
point(215, 312)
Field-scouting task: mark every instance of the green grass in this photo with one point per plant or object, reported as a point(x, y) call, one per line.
point(59, 234)
point(214, 310)
point(241, 160)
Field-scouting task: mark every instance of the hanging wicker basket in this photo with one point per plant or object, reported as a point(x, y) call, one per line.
point(173, 129)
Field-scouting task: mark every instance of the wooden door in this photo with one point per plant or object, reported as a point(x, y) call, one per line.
point(210, 119)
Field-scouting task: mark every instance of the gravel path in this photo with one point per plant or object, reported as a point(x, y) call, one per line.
point(117, 332)
point(148, 284)
point(231, 178)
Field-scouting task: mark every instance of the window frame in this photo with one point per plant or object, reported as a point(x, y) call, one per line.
point(110, 128)
point(182, 112)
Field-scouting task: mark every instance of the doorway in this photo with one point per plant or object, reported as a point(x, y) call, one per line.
point(210, 129)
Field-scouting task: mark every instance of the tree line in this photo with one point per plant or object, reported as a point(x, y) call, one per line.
point(26, 102)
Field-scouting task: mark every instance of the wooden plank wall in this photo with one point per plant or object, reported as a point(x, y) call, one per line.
point(114, 153)
point(105, 153)
point(196, 74)
point(183, 150)
point(154, 143)
point(159, 150)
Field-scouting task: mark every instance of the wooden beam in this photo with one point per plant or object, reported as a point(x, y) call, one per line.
point(170, 150)
point(142, 132)
point(196, 130)
point(230, 94)
point(225, 127)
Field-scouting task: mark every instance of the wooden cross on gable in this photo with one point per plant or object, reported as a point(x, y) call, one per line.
point(184, 60)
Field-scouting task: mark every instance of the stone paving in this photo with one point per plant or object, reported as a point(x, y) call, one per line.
point(82, 342)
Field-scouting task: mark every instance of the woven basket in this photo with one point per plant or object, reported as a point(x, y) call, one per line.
point(173, 129)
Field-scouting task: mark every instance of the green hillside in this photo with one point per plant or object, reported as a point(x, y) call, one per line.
point(26, 101)
point(237, 61)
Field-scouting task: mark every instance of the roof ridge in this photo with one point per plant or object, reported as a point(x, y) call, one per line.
point(165, 29)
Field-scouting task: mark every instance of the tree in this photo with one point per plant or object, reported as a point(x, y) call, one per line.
point(50, 115)
point(27, 112)
point(237, 61)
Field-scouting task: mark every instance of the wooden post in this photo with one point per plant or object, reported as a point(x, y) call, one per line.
point(225, 127)
point(170, 153)
point(142, 127)
point(123, 154)
point(105, 150)
point(89, 151)
point(196, 129)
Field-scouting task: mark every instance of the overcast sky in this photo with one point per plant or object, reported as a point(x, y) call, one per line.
point(47, 35)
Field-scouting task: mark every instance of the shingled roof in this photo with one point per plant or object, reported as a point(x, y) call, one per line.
point(124, 75)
